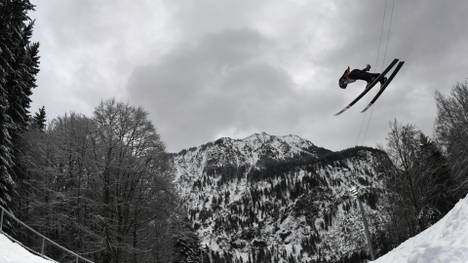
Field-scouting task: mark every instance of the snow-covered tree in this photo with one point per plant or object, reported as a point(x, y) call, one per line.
point(19, 63)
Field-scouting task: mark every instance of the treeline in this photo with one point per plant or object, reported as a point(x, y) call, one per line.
point(100, 185)
point(431, 174)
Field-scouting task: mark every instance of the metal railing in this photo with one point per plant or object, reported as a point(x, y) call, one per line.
point(4, 212)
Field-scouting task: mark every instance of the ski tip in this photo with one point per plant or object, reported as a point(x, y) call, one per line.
point(341, 111)
point(338, 113)
point(367, 107)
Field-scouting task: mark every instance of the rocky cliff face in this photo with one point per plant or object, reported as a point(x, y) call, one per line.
point(271, 198)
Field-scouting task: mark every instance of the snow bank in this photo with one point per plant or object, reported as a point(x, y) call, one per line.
point(445, 241)
point(11, 252)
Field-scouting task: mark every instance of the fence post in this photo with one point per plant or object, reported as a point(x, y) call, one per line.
point(44, 238)
point(1, 222)
point(43, 244)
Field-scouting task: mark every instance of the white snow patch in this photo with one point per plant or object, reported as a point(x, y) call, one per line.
point(12, 252)
point(445, 241)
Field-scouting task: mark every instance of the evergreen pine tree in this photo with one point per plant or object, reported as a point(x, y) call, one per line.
point(18, 67)
point(39, 119)
point(436, 174)
point(187, 246)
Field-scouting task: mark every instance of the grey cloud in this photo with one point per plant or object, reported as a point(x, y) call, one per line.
point(221, 83)
point(195, 18)
point(87, 49)
point(249, 66)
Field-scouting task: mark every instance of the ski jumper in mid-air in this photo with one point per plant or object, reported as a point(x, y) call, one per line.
point(372, 79)
point(350, 76)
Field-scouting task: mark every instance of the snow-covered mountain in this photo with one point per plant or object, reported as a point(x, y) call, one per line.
point(249, 152)
point(271, 198)
point(445, 241)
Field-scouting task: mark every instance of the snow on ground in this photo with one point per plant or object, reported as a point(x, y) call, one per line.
point(445, 241)
point(11, 252)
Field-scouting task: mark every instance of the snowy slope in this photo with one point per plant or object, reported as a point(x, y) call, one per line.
point(11, 252)
point(278, 197)
point(445, 241)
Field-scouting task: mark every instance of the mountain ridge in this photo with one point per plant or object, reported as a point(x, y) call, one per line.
point(267, 198)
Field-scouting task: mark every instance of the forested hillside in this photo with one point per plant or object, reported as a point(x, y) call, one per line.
point(281, 199)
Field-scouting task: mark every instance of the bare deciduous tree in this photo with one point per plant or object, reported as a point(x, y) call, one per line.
point(419, 189)
point(102, 185)
point(451, 130)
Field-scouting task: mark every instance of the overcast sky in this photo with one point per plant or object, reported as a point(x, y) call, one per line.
point(209, 68)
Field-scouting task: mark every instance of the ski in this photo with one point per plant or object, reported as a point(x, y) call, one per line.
point(368, 87)
point(398, 67)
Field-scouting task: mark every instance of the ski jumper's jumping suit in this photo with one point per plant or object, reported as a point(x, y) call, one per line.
point(355, 74)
